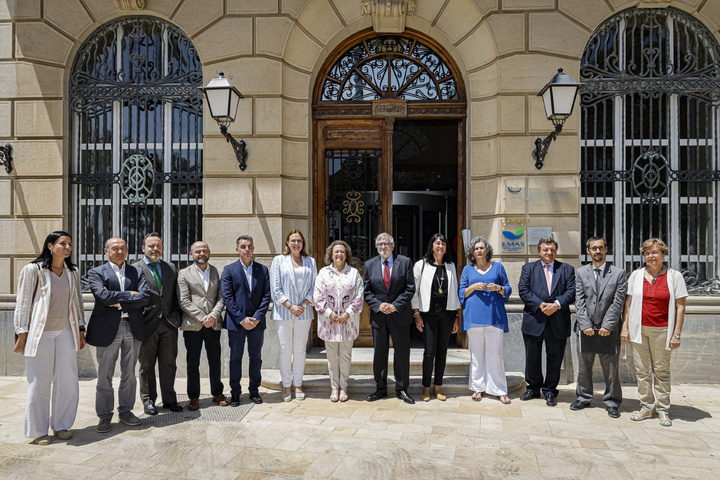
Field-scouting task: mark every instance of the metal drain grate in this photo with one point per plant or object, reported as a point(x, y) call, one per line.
point(209, 412)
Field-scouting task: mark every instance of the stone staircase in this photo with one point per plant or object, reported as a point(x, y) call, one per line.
point(455, 381)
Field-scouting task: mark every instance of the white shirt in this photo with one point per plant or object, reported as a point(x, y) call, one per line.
point(120, 274)
point(248, 274)
point(205, 275)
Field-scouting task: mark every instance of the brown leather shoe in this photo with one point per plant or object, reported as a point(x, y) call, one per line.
point(220, 400)
point(193, 405)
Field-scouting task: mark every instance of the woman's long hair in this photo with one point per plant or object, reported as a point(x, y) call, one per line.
point(430, 256)
point(286, 249)
point(45, 258)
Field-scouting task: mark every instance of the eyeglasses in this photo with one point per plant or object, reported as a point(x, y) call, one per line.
point(596, 249)
point(384, 244)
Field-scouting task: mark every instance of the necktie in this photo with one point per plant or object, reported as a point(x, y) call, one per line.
point(598, 280)
point(548, 280)
point(156, 274)
point(386, 274)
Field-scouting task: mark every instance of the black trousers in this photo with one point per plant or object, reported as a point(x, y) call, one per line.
point(436, 335)
point(236, 340)
point(193, 345)
point(162, 348)
point(401, 359)
point(554, 354)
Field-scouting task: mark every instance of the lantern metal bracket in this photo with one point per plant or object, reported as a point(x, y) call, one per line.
point(542, 146)
point(6, 157)
point(239, 148)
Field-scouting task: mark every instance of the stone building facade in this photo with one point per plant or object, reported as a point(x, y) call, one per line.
point(278, 53)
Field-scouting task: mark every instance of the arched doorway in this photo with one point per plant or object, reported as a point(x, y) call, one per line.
point(389, 152)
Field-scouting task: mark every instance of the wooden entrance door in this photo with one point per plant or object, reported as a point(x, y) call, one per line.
point(352, 190)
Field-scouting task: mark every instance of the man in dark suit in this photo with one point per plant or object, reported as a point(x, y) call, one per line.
point(548, 289)
point(245, 287)
point(200, 299)
point(389, 288)
point(600, 291)
point(116, 328)
point(162, 320)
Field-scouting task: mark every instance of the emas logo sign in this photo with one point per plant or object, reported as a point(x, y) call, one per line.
point(513, 237)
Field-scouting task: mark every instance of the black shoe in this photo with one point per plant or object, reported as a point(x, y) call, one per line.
point(550, 400)
point(613, 412)
point(173, 407)
point(529, 395)
point(150, 409)
point(377, 395)
point(405, 396)
point(579, 405)
point(256, 399)
point(235, 400)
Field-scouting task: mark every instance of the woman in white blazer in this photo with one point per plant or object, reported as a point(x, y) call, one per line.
point(292, 280)
point(435, 308)
point(652, 321)
point(50, 329)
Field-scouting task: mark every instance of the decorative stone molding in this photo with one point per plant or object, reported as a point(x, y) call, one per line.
point(654, 3)
point(389, 108)
point(130, 4)
point(388, 16)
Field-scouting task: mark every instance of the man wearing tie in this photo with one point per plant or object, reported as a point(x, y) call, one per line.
point(547, 287)
point(200, 299)
point(162, 320)
point(600, 291)
point(245, 287)
point(389, 288)
point(116, 329)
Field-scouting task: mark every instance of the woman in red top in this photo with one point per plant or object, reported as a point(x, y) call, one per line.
point(652, 321)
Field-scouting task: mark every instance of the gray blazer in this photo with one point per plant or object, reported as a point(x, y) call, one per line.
point(195, 302)
point(608, 303)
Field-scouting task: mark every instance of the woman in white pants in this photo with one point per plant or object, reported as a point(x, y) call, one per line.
point(50, 329)
point(339, 300)
point(484, 289)
point(292, 279)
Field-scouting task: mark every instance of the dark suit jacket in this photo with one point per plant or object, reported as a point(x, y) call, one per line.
point(608, 303)
point(105, 320)
point(400, 293)
point(162, 305)
point(532, 288)
point(238, 303)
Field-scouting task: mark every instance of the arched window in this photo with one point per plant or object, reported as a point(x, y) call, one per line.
point(136, 152)
point(649, 133)
point(388, 67)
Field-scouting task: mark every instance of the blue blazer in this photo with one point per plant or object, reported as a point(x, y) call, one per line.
point(105, 320)
point(532, 288)
point(238, 303)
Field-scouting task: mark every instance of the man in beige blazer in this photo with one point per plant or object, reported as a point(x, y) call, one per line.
point(202, 306)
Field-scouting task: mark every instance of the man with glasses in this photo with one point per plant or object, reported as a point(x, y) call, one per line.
point(600, 297)
point(389, 288)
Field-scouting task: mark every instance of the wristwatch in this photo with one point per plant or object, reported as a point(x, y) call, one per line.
point(676, 336)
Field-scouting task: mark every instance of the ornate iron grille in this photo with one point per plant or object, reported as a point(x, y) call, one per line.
point(353, 205)
point(136, 155)
point(390, 67)
point(649, 132)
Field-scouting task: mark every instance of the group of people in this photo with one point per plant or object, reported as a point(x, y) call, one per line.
point(140, 308)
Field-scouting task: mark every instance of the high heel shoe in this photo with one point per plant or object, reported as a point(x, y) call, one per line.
point(334, 395)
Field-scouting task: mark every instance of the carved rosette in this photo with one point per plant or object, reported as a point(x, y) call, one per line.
point(130, 4)
point(388, 16)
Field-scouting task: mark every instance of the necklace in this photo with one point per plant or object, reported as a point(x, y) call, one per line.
point(440, 281)
point(655, 276)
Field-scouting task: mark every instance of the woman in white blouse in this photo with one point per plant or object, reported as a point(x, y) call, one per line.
point(50, 329)
point(292, 278)
point(339, 300)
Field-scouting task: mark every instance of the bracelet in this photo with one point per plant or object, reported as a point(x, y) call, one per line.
point(416, 314)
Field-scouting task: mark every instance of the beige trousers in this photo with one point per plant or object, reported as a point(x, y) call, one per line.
point(339, 355)
point(652, 366)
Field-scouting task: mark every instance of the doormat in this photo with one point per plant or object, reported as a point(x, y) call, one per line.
point(209, 412)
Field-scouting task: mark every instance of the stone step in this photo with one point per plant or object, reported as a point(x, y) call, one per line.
point(455, 381)
point(458, 362)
